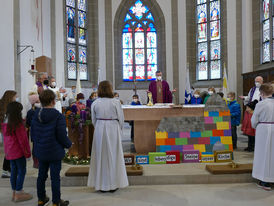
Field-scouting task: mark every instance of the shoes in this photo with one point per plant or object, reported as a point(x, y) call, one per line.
point(43, 202)
point(22, 196)
point(112, 191)
point(5, 174)
point(61, 203)
point(264, 185)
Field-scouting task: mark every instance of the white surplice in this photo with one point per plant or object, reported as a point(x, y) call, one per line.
point(107, 167)
point(262, 120)
point(58, 99)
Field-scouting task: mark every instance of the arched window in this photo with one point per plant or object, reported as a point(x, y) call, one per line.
point(139, 44)
point(267, 40)
point(208, 17)
point(76, 39)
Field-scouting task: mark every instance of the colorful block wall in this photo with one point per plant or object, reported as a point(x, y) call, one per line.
point(217, 128)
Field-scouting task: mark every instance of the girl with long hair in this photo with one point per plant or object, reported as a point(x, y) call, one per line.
point(17, 149)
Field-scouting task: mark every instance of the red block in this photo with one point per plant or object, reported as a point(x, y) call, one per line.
point(172, 157)
point(217, 133)
point(170, 141)
point(204, 140)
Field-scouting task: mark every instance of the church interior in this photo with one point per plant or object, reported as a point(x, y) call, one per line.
point(195, 46)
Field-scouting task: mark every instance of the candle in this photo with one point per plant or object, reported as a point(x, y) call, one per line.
point(83, 115)
point(74, 109)
point(88, 103)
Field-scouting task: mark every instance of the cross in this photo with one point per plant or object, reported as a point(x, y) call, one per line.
point(138, 9)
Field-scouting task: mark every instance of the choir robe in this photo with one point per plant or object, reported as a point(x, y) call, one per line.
point(107, 166)
point(167, 95)
point(263, 121)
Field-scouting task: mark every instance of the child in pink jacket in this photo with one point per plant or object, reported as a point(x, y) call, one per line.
point(17, 149)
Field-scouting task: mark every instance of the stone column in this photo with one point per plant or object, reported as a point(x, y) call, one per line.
point(102, 40)
point(247, 40)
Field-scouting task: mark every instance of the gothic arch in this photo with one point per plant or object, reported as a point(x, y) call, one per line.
point(118, 27)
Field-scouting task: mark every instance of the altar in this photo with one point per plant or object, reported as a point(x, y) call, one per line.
point(147, 118)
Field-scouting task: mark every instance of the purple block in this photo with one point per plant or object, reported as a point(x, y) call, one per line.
point(188, 147)
point(227, 132)
point(209, 120)
point(191, 156)
point(173, 135)
point(177, 147)
point(184, 134)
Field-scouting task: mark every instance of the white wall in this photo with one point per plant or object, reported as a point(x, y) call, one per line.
point(7, 47)
point(35, 31)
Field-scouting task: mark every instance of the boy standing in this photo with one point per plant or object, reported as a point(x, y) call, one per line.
point(235, 112)
point(48, 132)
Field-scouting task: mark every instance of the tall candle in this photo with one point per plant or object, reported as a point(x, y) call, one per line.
point(74, 109)
point(83, 115)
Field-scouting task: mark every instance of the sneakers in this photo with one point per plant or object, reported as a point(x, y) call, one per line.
point(43, 202)
point(22, 196)
point(61, 203)
point(5, 174)
point(264, 185)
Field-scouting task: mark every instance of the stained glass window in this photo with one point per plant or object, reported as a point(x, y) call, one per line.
point(76, 30)
point(208, 40)
point(267, 26)
point(139, 44)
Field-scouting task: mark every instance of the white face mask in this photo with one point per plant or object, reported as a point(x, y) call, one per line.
point(38, 105)
point(159, 78)
point(196, 95)
point(17, 99)
point(210, 92)
point(257, 84)
point(82, 101)
point(53, 84)
point(228, 99)
point(135, 100)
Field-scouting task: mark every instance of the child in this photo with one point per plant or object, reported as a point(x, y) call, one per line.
point(196, 99)
point(211, 90)
point(135, 101)
point(91, 99)
point(80, 102)
point(246, 126)
point(48, 132)
point(17, 149)
point(235, 112)
point(35, 104)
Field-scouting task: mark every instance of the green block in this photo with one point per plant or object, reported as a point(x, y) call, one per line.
point(217, 119)
point(157, 157)
point(226, 146)
point(181, 141)
point(206, 133)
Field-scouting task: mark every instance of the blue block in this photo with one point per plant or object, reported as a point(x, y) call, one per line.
point(207, 153)
point(195, 134)
point(142, 159)
point(164, 148)
point(173, 134)
point(213, 140)
point(213, 114)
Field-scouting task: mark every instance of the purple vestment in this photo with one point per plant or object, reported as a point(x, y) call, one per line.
point(167, 96)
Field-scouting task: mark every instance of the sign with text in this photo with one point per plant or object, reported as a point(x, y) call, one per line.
point(223, 156)
point(191, 156)
point(144, 159)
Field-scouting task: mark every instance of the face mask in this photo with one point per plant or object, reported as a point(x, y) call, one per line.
point(46, 82)
point(228, 99)
point(73, 90)
point(94, 98)
point(196, 95)
point(82, 101)
point(257, 84)
point(159, 78)
point(210, 92)
point(17, 99)
point(53, 84)
point(38, 105)
point(135, 100)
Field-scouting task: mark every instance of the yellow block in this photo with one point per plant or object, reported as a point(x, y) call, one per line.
point(161, 135)
point(222, 125)
point(200, 147)
point(207, 158)
point(206, 114)
point(226, 140)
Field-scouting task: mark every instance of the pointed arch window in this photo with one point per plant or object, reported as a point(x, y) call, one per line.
point(208, 18)
point(76, 38)
point(139, 44)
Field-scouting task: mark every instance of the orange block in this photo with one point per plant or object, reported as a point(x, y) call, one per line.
point(160, 142)
point(217, 133)
point(224, 113)
point(170, 141)
point(231, 147)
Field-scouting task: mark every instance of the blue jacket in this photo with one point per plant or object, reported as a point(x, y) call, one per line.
point(196, 100)
point(49, 135)
point(235, 112)
point(135, 103)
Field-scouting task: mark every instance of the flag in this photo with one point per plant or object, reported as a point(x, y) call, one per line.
point(78, 82)
point(187, 86)
point(225, 84)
